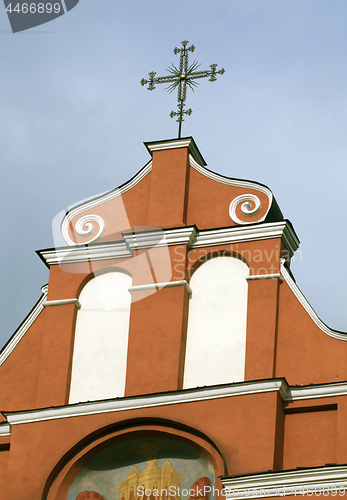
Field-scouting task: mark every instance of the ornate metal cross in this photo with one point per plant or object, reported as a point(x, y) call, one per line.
point(180, 78)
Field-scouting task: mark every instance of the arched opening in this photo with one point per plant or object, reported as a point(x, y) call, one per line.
point(216, 332)
point(101, 339)
point(122, 457)
point(146, 468)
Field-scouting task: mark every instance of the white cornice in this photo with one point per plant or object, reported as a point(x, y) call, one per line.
point(29, 320)
point(238, 234)
point(280, 386)
point(317, 481)
point(87, 253)
point(5, 429)
point(62, 302)
point(297, 393)
point(161, 238)
point(264, 277)
point(187, 142)
point(308, 308)
point(190, 236)
point(99, 200)
point(159, 286)
point(122, 404)
point(290, 239)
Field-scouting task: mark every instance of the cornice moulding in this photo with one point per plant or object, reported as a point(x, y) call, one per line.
point(264, 277)
point(152, 400)
point(280, 386)
point(86, 253)
point(185, 142)
point(5, 429)
point(243, 234)
point(62, 302)
point(297, 393)
point(159, 286)
point(161, 238)
point(290, 239)
point(190, 236)
point(287, 483)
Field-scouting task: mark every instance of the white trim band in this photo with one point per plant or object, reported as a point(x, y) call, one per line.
point(161, 238)
point(189, 236)
point(280, 386)
point(5, 429)
point(132, 403)
point(159, 286)
point(175, 144)
point(279, 484)
point(237, 234)
point(265, 277)
point(62, 302)
point(86, 253)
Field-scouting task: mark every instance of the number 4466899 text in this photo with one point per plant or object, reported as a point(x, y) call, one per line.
point(34, 8)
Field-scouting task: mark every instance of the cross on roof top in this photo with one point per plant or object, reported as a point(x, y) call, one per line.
point(181, 77)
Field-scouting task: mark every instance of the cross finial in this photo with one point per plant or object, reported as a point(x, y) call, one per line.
point(181, 77)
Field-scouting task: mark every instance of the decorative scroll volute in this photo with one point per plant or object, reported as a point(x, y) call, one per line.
point(86, 229)
point(246, 209)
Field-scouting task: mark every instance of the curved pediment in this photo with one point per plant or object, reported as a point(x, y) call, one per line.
point(103, 217)
point(174, 189)
point(238, 201)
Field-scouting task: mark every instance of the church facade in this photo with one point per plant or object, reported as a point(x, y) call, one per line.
point(172, 355)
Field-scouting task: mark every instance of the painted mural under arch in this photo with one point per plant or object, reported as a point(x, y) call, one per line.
point(150, 468)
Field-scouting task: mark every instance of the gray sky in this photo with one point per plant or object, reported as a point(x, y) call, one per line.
point(74, 117)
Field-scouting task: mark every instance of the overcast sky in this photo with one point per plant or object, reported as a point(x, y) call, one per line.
point(74, 117)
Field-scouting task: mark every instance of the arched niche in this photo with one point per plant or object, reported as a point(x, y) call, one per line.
point(146, 468)
point(66, 470)
point(216, 332)
point(101, 339)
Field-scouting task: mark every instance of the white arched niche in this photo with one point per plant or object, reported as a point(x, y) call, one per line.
point(216, 334)
point(101, 339)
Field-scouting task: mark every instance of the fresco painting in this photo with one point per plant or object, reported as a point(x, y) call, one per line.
point(145, 469)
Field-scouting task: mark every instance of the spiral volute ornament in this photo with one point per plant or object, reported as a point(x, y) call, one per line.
point(85, 227)
point(250, 205)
